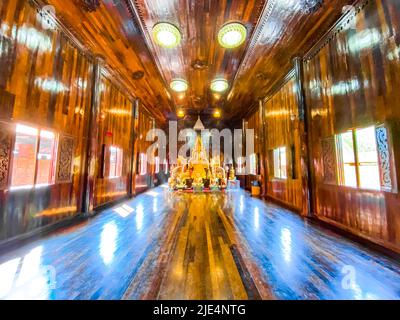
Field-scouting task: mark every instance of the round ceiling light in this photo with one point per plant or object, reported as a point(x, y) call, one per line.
point(232, 35)
point(179, 85)
point(219, 85)
point(180, 113)
point(217, 114)
point(166, 35)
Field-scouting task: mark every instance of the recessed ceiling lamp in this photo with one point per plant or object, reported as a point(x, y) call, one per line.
point(179, 85)
point(217, 114)
point(137, 75)
point(180, 113)
point(166, 35)
point(232, 35)
point(219, 85)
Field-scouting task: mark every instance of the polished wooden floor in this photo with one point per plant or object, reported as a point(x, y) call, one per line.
point(164, 245)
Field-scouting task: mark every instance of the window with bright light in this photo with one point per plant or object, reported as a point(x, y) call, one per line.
point(240, 166)
point(358, 159)
point(45, 158)
point(142, 164)
point(253, 164)
point(166, 166)
point(280, 170)
point(157, 164)
point(115, 162)
point(33, 157)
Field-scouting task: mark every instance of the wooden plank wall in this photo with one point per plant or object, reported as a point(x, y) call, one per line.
point(281, 116)
point(45, 75)
point(116, 112)
point(351, 79)
point(46, 81)
point(146, 122)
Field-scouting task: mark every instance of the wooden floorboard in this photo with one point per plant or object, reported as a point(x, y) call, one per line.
point(197, 246)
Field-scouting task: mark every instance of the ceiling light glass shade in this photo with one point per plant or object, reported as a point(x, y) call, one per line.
point(179, 85)
point(166, 35)
point(219, 85)
point(217, 114)
point(232, 35)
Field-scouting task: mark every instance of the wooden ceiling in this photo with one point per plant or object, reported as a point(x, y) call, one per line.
point(286, 29)
point(120, 30)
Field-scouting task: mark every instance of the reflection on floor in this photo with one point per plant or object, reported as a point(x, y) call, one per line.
point(197, 246)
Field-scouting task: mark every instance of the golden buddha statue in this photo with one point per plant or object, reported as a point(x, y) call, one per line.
point(198, 170)
point(198, 160)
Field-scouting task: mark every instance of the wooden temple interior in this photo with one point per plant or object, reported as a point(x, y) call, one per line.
point(82, 83)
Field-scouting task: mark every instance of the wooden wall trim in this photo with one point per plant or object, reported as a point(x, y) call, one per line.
point(259, 27)
point(91, 143)
point(132, 166)
point(272, 92)
point(305, 163)
point(291, 74)
point(344, 20)
point(138, 21)
point(358, 234)
point(115, 80)
point(263, 163)
point(66, 30)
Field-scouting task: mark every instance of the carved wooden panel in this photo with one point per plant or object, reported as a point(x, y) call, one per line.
point(65, 158)
point(384, 157)
point(329, 160)
point(6, 139)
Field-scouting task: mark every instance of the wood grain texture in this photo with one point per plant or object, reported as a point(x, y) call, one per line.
point(351, 82)
point(190, 246)
point(115, 121)
point(199, 23)
point(145, 123)
point(49, 80)
point(283, 130)
point(113, 32)
point(285, 30)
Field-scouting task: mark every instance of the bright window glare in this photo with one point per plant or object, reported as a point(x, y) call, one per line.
point(8, 272)
point(368, 159)
point(31, 266)
point(122, 212)
point(108, 240)
point(27, 130)
point(128, 208)
point(47, 134)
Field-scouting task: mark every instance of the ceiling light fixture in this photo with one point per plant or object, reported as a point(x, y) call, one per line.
point(219, 85)
point(166, 35)
point(232, 35)
point(179, 85)
point(217, 114)
point(180, 113)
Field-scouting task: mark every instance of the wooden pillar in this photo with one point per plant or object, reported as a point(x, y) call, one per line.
point(263, 153)
point(305, 165)
point(89, 168)
point(244, 152)
point(132, 166)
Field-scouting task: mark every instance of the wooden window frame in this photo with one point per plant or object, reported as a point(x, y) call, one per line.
point(279, 149)
point(53, 168)
point(391, 165)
